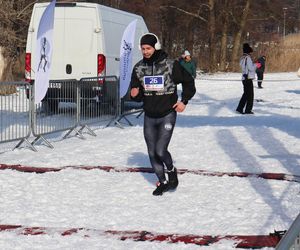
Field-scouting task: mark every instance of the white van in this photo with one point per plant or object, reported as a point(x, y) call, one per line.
point(86, 40)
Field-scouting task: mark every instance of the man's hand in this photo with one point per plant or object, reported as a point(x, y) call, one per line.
point(179, 106)
point(134, 92)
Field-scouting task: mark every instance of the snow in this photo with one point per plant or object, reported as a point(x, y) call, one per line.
point(209, 135)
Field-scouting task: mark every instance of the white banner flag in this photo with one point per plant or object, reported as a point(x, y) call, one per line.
point(44, 53)
point(126, 51)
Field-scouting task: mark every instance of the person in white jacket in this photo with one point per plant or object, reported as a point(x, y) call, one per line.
point(248, 74)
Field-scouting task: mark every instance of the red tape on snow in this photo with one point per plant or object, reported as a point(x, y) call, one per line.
point(41, 170)
point(241, 241)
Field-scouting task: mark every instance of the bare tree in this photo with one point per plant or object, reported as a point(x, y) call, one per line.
point(14, 20)
point(182, 26)
point(213, 30)
point(224, 42)
point(241, 24)
point(212, 35)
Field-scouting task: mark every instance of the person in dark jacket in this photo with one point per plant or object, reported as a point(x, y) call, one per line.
point(154, 81)
point(260, 71)
point(188, 63)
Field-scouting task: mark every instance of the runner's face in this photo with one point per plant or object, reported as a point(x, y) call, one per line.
point(147, 50)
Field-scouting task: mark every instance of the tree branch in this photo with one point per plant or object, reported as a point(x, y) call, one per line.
point(26, 7)
point(185, 12)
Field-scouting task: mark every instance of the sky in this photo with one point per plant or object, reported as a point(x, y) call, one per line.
point(209, 136)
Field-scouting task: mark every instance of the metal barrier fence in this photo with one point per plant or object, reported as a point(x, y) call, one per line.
point(291, 239)
point(99, 100)
point(57, 111)
point(69, 105)
point(129, 107)
point(15, 112)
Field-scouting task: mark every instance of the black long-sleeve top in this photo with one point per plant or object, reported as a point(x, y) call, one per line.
point(160, 102)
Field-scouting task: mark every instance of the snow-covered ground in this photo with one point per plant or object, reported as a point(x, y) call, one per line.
point(209, 135)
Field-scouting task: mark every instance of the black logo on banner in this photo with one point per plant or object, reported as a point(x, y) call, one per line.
point(44, 54)
point(127, 51)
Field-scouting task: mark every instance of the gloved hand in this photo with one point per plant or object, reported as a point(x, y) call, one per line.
point(258, 65)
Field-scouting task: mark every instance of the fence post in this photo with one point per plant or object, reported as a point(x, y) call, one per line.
point(291, 239)
point(30, 117)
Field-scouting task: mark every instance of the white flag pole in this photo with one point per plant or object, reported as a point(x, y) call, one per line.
point(126, 51)
point(44, 53)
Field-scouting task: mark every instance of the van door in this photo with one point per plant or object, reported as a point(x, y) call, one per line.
point(75, 43)
point(112, 40)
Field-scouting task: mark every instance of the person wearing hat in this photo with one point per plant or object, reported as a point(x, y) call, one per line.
point(154, 81)
point(248, 74)
point(188, 63)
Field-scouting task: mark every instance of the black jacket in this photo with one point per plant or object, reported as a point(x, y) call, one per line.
point(160, 103)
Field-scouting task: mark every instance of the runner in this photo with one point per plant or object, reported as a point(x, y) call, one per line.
point(154, 81)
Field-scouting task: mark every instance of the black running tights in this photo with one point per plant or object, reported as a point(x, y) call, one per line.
point(158, 133)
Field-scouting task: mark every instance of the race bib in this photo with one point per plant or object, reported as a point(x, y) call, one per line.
point(154, 83)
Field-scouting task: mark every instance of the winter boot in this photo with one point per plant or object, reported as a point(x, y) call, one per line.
point(161, 188)
point(173, 180)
